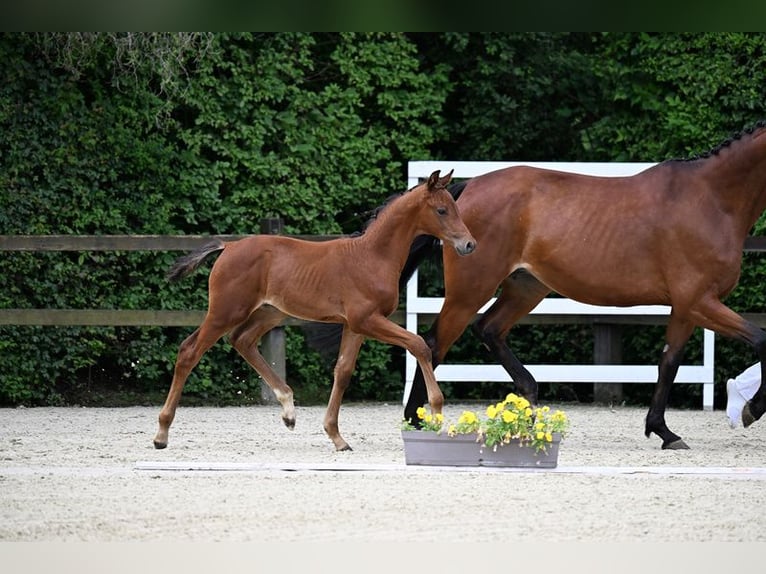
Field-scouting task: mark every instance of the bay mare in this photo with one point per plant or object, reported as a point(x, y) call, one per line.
point(258, 281)
point(670, 235)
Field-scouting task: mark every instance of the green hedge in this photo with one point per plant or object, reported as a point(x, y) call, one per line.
point(210, 133)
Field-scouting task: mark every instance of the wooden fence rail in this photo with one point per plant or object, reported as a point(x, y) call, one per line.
point(605, 327)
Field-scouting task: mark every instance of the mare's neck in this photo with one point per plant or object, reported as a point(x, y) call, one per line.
point(738, 176)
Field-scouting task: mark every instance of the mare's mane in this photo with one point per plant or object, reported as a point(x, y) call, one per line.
point(726, 143)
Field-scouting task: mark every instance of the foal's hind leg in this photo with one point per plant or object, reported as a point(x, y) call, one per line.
point(245, 340)
point(521, 292)
point(189, 354)
point(344, 368)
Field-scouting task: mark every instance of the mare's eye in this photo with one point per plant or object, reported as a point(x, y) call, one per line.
point(441, 210)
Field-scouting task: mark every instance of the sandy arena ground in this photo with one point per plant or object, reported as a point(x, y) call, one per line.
point(75, 474)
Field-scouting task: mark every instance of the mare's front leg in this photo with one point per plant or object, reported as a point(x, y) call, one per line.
point(245, 340)
point(344, 367)
point(677, 334)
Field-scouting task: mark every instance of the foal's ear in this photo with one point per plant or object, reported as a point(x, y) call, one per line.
point(446, 179)
point(433, 180)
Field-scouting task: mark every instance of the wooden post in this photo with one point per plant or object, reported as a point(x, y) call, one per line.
point(273, 342)
point(607, 350)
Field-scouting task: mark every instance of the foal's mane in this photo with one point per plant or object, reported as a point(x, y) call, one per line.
point(375, 213)
point(727, 142)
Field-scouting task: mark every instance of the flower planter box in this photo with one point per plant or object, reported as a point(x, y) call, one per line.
point(439, 449)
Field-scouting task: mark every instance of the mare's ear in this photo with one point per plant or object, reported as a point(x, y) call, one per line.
point(446, 179)
point(433, 180)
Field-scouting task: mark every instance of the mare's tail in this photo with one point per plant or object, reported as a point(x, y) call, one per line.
point(325, 337)
point(188, 263)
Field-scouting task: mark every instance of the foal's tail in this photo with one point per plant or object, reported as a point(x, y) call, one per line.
point(325, 337)
point(188, 263)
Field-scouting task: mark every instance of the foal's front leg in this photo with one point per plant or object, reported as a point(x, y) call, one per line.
point(344, 368)
point(384, 330)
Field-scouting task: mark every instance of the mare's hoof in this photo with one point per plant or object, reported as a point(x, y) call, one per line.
point(289, 423)
point(160, 445)
point(346, 448)
point(676, 445)
point(747, 415)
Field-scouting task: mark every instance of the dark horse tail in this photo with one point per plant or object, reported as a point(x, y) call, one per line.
point(325, 337)
point(188, 263)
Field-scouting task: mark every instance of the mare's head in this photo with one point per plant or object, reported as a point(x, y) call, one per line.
point(439, 215)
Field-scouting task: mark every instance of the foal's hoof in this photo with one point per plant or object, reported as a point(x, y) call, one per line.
point(160, 445)
point(346, 448)
point(289, 423)
point(676, 445)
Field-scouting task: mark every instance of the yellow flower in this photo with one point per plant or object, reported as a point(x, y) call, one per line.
point(528, 412)
point(522, 403)
point(559, 416)
point(468, 417)
point(539, 426)
point(428, 418)
point(548, 437)
point(451, 431)
point(421, 412)
point(540, 435)
point(511, 398)
point(491, 412)
point(439, 418)
point(509, 416)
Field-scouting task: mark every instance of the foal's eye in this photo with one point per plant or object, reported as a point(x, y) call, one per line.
point(441, 210)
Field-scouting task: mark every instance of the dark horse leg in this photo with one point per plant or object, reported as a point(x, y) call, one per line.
point(449, 325)
point(709, 313)
point(677, 334)
point(521, 292)
point(723, 320)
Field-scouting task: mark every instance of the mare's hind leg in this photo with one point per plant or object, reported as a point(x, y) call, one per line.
point(521, 292)
point(189, 354)
point(344, 368)
point(245, 340)
point(711, 314)
point(714, 315)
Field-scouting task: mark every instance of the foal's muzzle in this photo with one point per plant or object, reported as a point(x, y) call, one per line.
point(465, 247)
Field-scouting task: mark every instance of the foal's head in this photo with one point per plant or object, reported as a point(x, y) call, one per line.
point(439, 214)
